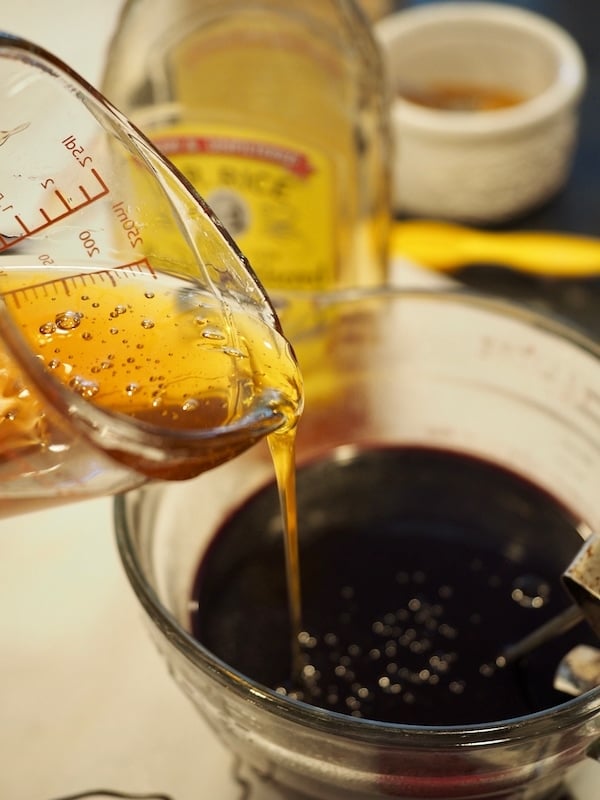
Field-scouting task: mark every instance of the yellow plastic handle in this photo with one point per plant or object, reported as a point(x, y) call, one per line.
point(446, 247)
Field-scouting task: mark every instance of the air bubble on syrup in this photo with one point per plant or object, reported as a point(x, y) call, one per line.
point(530, 591)
point(233, 351)
point(54, 363)
point(191, 404)
point(309, 672)
point(352, 703)
point(47, 328)
point(447, 631)
point(213, 334)
point(306, 640)
point(391, 650)
point(419, 646)
point(118, 310)
point(440, 663)
point(84, 387)
point(131, 389)
point(68, 320)
point(147, 324)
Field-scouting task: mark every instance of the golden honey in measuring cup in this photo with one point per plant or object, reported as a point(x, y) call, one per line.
point(135, 340)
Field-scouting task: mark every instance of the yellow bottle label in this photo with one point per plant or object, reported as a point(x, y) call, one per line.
point(275, 199)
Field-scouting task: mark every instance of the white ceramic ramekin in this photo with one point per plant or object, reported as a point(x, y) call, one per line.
point(481, 166)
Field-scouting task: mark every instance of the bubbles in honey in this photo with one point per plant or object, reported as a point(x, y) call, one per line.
point(191, 404)
point(213, 334)
point(68, 320)
point(85, 388)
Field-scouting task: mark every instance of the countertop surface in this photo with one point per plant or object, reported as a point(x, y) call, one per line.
point(86, 701)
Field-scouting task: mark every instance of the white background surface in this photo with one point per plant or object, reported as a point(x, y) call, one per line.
point(85, 701)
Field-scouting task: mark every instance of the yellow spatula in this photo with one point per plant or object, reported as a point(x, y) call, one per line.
point(445, 247)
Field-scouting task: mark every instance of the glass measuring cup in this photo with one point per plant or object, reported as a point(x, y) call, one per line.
point(135, 340)
point(390, 369)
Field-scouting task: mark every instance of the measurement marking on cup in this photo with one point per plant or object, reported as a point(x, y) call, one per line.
point(71, 283)
point(70, 208)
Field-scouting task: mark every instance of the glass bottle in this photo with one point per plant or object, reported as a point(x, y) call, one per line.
point(276, 111)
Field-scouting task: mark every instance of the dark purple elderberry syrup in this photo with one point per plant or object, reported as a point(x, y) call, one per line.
point(418, 567)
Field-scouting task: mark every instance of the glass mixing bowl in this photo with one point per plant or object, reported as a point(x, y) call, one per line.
point(436, 369)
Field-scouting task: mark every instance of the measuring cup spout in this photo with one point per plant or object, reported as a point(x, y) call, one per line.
point(136, 340)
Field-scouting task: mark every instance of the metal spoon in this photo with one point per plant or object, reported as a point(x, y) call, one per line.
point(582, 580)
